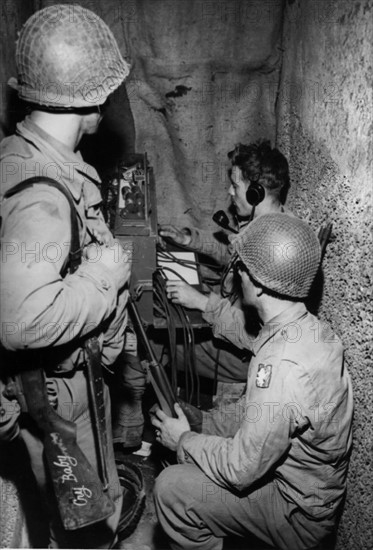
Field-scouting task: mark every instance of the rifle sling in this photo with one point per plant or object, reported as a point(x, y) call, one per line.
point(75, 253)
point(93, 371)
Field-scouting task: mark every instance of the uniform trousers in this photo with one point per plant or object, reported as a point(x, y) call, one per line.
point(196, 513)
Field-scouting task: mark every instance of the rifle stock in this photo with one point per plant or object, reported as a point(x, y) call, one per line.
point(158, 377)
point(162, 388)
point(96, 397)
point(78, 489)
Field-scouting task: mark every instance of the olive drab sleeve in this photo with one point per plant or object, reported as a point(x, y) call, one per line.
point(38, 307)
point(228, 322)
point(261, 440)
point(224, 421)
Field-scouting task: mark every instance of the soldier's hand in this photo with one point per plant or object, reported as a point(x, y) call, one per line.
point(175, 234)
point(169, 430)
point(103, 237)
point(185, 295)
point(114, 258)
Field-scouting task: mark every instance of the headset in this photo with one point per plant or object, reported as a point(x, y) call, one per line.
point(255, 193)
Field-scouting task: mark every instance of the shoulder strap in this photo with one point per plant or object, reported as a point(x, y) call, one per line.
point(75, 254)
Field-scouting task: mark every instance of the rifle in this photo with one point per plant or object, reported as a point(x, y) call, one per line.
point(96, 397)
point(78, 490)
point(158, 377)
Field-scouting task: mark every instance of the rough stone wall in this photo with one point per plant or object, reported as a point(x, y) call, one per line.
point(324, 127)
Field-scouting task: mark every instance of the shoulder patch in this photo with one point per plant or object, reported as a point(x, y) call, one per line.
point(263, 376)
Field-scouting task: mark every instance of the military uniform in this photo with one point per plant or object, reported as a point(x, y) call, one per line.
point(275, 463)
point(40, 309)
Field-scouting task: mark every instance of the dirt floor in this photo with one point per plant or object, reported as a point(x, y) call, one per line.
point(148, 535)
point(26, 528)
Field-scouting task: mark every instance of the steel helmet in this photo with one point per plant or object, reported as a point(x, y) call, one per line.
point(281, 253)
point(67, 58)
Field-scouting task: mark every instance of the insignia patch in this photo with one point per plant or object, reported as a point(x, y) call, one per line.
point(263, 376)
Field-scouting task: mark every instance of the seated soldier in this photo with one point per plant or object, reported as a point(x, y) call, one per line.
point(259, 185)
point(274, 463)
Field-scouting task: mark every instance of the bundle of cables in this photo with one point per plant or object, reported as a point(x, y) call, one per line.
point(176, 316)
point(228, 288)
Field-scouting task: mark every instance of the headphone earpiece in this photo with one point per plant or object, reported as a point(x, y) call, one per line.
point(255, 193)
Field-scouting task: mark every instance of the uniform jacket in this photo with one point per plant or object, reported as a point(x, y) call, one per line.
point(39, 308)
point(293, 425)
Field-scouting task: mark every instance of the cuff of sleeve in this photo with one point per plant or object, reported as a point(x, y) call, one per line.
point(211, 308)
point(183, 457)
point(195, 241)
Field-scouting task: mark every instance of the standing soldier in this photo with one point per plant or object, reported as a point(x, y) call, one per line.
point(68, 64)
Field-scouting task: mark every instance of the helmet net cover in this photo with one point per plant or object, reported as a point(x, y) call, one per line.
point(281, 253)
point(67, 57)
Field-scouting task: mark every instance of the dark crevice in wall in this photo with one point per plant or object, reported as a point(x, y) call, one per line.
point(115, 137)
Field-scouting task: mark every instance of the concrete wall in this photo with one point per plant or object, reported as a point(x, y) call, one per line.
point(324, 126)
